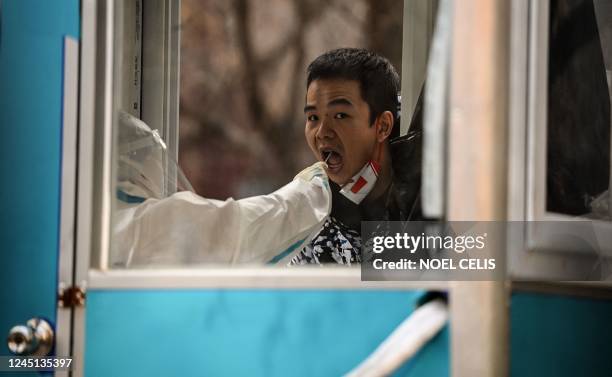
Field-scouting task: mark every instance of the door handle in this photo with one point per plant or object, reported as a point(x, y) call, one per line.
point(33, 339)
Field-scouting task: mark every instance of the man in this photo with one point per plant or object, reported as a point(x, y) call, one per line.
point(352, 111)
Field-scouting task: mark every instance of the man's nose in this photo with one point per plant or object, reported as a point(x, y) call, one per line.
point(325, 130)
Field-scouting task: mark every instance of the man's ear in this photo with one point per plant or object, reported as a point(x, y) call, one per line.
point(384, 126)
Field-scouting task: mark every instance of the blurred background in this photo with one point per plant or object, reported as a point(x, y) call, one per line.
point(243, 83)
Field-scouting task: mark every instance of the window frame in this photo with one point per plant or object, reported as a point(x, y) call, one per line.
point(96, 180)
point(537, 255)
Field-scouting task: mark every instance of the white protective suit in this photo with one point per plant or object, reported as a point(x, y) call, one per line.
point(185, 228)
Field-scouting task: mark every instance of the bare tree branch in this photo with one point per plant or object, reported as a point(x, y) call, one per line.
point(250, 74)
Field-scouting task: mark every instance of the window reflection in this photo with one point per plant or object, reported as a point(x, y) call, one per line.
point(578, 150)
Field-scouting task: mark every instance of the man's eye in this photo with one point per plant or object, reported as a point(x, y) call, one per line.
point(341, 116)
point(312, 118)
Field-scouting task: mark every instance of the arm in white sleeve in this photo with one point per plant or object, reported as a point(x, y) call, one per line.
point(186, 228)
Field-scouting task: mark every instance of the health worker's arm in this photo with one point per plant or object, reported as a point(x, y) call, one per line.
point(188, 229)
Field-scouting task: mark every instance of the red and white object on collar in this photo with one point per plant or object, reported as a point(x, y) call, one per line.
point(362, 183)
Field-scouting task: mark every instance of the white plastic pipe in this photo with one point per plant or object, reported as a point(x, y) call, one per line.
point(405, 341)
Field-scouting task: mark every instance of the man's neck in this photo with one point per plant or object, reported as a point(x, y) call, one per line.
point(385, 177)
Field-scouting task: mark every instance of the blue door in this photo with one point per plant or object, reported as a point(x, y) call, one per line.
point(32, 37)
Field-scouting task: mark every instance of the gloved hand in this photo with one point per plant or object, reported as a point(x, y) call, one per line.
point(315, 170)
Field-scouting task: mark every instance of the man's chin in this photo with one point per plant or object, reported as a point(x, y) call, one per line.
point(339, 179)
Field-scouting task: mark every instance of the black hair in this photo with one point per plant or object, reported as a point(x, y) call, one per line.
point(377, 78)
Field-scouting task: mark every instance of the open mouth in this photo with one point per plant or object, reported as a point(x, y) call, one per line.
point(332, 158)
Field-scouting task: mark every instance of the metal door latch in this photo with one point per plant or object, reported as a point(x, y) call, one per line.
point(71, 297)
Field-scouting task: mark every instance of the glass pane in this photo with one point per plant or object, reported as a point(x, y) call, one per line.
point(145, 169)
point(242, 132)
point(243, 83)
point(580, 70)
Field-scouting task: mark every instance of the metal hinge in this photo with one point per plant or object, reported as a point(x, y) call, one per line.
point(70, 297)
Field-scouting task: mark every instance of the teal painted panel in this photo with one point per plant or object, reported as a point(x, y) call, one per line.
point(246, 333)
point(560, 336)
point(31, 72)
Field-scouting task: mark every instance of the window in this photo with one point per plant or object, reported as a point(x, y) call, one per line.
point(562, 157)
point(215, 90)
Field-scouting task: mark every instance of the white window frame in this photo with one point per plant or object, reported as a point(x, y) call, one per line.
point(95, 204)
point(63, 327)
point(419, 20)
point(539, 255)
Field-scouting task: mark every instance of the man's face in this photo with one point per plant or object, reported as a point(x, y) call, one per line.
point(338, 124)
